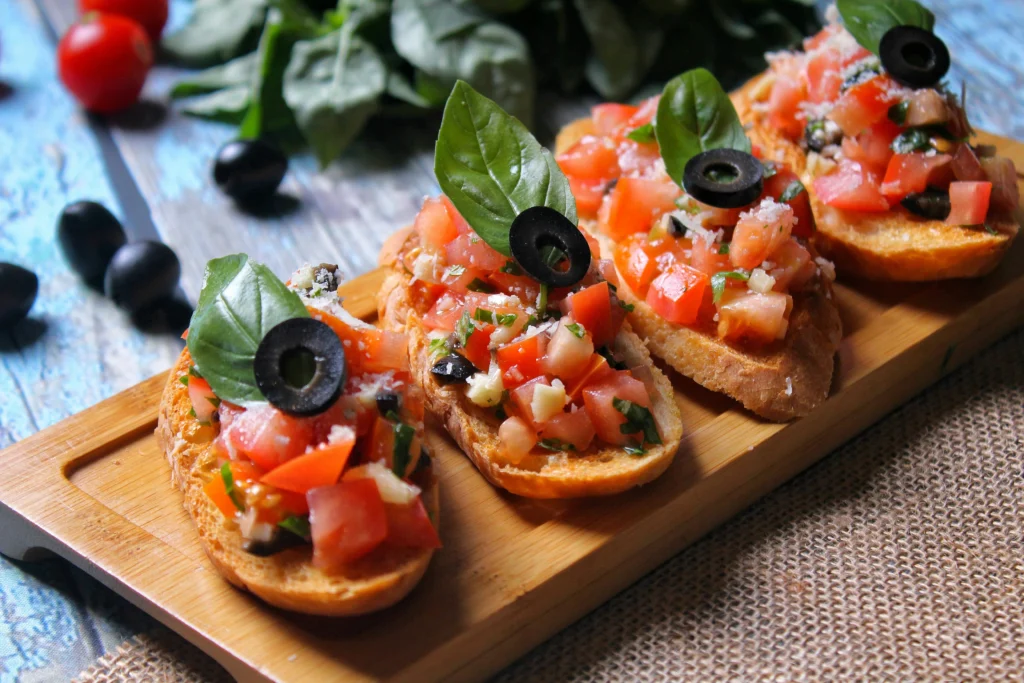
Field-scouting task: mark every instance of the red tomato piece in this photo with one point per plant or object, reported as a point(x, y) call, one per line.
point(968, 203)
point(461, 226)
point(872, 147)
point(434, 225)
point(517, 439)
point(592, 159)
point(368, 349)
point(597, 369)
point(598, 400)
point(784, 114)
point(759, 233)
point(793, 266)
point(914, 172)
point(709, 257)
point(522, 399)
point(643, 115)
point(592, 308)
point(851, 187)
point(589, 194)
point(780, 184)
point(573, 428)
point(522, 286)
point(865, 104)
point(270, 437)
point(608, 118)
point(521, 361)
point(824, 76)
point(476, 349)
point(634, 205)
point(748, 316)
point(320, 467)
point(347, 521)
point(635, 261)
point(409, 526)
point(204, 401)
point(676, 294)
point(381, 445)
point(460, 278)
point(103, 61)
point(473, 252)
point(150, 14)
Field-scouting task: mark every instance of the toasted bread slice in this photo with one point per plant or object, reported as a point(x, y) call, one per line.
point(779, 382)
point(878, 246)
point(597, 472)
point(288, 579)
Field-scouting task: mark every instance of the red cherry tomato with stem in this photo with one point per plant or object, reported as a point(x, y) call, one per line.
point(103, 61)
point(151, 14)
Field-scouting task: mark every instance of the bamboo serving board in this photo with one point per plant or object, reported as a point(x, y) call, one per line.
point(95, 489)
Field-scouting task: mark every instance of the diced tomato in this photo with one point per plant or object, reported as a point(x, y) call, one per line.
point(347, 521)
point(573, 428)
point(217, 492)
point(793, 266)
point(434, 225)
point(473, 252)
point(476, 349)
point(788, 92)
point(517, 439)
point(522, 399)
point(592, 159)
point(592, 308)
point(778, 185)
point(521, 361)
point(598, 400)
point(461, 226)
point(865, 104)
point(293, 503)
point(409, 526)
point(708, 257)
point(634, 205)
point(522, 286)
point(609, 117)
point(677, 293)
point(636, 159)
point(968, 203)
point(759, 233)
point(824, 76)
point(204, 401)
point(381, 445)
point(368, 349)
point(320, 467)
point(445, 312)
point(851, 187)
point(568, 355)
point(872, 148)
point(459, 278)
point(914, 172)
point(643, 115)
point(819, 38)
point(589, 194)
point(748, 316)
point(597, 369)
point(270, 437)
point(637, 261)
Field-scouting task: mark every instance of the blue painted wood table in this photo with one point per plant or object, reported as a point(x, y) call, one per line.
point(78, 349)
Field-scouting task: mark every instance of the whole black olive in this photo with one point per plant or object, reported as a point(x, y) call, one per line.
point(724, 178)
point(300, 366)
point(18, 290)
point(932, 204)
point(388, 402)
point(89, 236)
point(914, 56)
point(278, 543)
point(248, 170)
point(141, 274)
point(535, 232)
point(452, 369)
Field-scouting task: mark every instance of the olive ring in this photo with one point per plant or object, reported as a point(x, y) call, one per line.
point(540, 228)
point(913, 56)
point(724, 178)
point(300, 367)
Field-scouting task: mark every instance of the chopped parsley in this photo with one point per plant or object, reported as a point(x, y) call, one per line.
point(512, 268)
point(576, 329)
point(464, 329)
point(478, 285)
point(503, 319)
point(184, 380)
point(627, 307)
point(296, 525)
point(643, 134)
point(912, 140)
point(401, 453)
point(439, 347)
point(792, 191)
point(634, 449)
point(898, 112)
point(639, 420)
point(556, 445)
point(229, 485)
point(718, 282)
point(723, 248)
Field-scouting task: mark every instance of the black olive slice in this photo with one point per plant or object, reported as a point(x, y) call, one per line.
point(388, 402)
point(18, 289)
point(724, 178)
point(913, 56)
point(932, 204)
point(300, 367)
point(536, 230)
point(453, 369)
point(278, 543)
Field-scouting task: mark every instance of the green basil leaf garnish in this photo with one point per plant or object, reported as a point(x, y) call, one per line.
point(868, 20)
point(229, 484)
point(644, 134)
point(296, 525)
point(239, 303)
point(492, 168)
point(401, 455)
point(217, 30)
point(912, 140)
point(439, 347)
point(556, 445)
point(718, 282)
point(695, 115)
point(577, 330)
point(898, 112)
point(464, 328)
point(792, 191)
point(639, 420)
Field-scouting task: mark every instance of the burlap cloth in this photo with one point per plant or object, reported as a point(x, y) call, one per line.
point(898, 557)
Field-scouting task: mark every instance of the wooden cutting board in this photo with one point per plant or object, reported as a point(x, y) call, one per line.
point(95, 489)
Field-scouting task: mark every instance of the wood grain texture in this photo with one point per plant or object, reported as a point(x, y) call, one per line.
point(497, 588)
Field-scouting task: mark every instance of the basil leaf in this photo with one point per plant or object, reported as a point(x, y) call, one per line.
point(464, 329)
point(449, 42)
point(239, 303)
point(615, 66)
point(229, 485)
point(492, 168)
point(401, 455)
point(644, 134)
point(868, 20)
point(638, 420)
point(237, 72)
point(227, 106)
point(439, 347)
point(792, 191)
point(217, 30)
point(296, 525)
point(268, 111)
point(898, 112)
point(478, 285)
point(911, 140)
point(718, 282)
point(577, 330)
point(333, 85)
point(556, 445)
point(695, 115)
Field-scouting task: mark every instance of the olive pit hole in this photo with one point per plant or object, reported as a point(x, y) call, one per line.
point(722, 172)
point(918, 55)
point(298, 367)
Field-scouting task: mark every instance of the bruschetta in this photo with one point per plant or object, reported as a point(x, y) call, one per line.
point(516, 334)
point(732, 295)
point(294, 432)
point(883, 146)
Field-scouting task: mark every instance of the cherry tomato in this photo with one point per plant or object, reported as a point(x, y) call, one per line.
point(103, 61)
point(151, 14)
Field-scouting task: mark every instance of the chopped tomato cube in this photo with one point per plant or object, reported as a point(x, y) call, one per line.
point(635, 261)
point(780, 184)
point(517, 439)
point(865, 104)
point(592, 159)
point(908, 173)
point(643, 115)
point(521, 361)
point(381, 445)
point(609, 117)
point(599, 402)
point(204, 401)
point(572, 428)
point(217, 492)
point(748, 316)
point(596, 370)
point(759, 233)
point(676, 294)
point(320, 467)
point(522, 399)
point(784, 113)
point(477, 346)
point(635, 204)
point(461, 226)
point(589, 194)
point(368, 349)
point(709, 257)
point(434, 225)
point(793, 266)
point(409, 526)
point(473, 252)
point(968, 203)
point(347, 521)
point(851, 187)
point(592, 308)
point(269, 437)
point(872, 147)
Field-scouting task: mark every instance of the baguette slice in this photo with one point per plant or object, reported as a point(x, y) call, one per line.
point(877, 246)
point(600, 472)
point(780, 382)
point(288, 579)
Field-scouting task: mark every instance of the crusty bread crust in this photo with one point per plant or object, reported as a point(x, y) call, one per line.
point(597, 472)
point(779, 382)
point(879, 246)
point(287, 580)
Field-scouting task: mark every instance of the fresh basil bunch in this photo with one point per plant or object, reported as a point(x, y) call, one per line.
point(312, 72)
